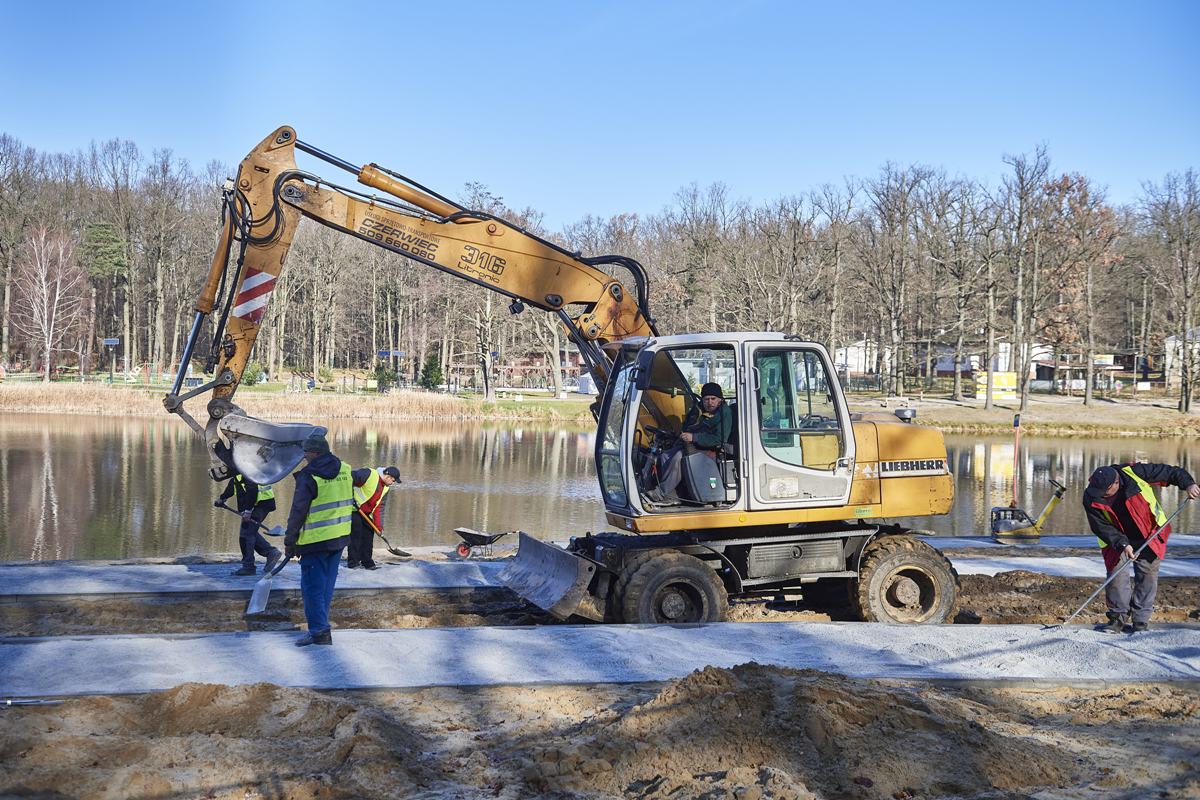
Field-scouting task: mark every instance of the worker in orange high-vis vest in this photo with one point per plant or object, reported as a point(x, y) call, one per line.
point(318, 528)
point(371, 488)
point(1123, 513)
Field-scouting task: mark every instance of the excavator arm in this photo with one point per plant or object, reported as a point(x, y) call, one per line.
point(261, 212)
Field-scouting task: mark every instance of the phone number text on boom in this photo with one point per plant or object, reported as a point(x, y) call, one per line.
point(393, 237)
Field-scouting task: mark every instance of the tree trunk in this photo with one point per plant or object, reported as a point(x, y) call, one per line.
point(160, 315)
point(990, 355)
point(126, 329)
point(1090, 357)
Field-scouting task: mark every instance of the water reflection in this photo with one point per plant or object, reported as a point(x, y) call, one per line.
point(80, 487)
point(983, 470)
point(76, 487)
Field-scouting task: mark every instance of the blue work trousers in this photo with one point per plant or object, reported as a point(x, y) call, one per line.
point(318, 574)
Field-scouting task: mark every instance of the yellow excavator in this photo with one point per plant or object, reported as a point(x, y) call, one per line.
point(796, 502)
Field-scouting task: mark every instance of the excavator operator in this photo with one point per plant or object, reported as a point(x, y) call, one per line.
point(708, 427)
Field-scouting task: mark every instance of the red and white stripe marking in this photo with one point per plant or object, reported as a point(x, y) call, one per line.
point(252, 299)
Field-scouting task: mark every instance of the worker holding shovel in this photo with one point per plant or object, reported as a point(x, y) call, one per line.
point(318, 528)
point(370, 490)
point(254, 503)
point(1125, 514)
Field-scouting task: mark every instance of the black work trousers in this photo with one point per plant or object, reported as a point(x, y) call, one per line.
point(362, 542)
point(250, 540)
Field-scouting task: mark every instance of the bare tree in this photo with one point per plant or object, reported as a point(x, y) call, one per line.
point(19, 168)
point(1025, 204)
point(1172, 211)
point(953, 225)
point(887, 251)
point(1082, 234)
point(51, 291)
point(836, 207)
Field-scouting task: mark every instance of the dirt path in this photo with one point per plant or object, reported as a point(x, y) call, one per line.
point(750, 732)
point(1010, 597)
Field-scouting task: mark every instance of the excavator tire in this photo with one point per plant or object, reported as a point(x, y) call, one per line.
point(902, 579)
point(633, 562)
point(668, 586)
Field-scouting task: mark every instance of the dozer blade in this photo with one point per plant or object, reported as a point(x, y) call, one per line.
point(548, 576)
point(265, 451)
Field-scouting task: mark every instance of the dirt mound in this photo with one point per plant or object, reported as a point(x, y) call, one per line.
point(213, 741)
point(747, 733)
point(757, 731)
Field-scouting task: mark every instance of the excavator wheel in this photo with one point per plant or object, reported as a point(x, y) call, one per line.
point(667, 586)
point(902, 579)
point(632, 563)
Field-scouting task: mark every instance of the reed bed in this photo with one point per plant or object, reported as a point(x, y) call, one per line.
point(103, 400)
point(1046, 417)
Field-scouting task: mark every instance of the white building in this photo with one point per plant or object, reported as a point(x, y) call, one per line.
point(1173, 363)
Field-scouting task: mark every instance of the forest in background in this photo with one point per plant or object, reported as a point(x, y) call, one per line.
point(115, 242)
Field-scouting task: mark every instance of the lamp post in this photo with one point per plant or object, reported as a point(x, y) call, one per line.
point(111, 344)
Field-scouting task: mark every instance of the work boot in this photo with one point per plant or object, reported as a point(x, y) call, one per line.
point(1115, 624)
point(351, 565)
point(1138, 627)
point(272, 559)
point(243, 571)
point(372, 565)
point(321, 637)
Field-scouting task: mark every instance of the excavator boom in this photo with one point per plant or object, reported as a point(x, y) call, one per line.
point(262, 209)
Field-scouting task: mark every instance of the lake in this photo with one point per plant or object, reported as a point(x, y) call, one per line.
point(75, 487)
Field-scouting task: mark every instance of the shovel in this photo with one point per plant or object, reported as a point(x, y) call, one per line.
point(396, 551)
point(278, 530)
point(262, 590)
point(1121, 567)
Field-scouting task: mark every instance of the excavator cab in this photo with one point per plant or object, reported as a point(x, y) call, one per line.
point(791, 443)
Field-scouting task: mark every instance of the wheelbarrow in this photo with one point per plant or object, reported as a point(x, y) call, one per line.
point(476, 543)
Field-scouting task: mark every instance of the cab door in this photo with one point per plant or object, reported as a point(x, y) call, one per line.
point(798, 433)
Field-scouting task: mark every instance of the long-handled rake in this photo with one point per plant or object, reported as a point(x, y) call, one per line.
point(1121, 567)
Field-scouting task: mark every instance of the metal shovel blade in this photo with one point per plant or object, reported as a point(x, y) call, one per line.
point(548, 576)
point(262, 591)
point(265, 451)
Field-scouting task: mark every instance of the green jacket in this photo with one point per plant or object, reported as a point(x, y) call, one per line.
point(709, 432)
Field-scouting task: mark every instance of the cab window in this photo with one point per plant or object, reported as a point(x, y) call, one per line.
point(797, 417)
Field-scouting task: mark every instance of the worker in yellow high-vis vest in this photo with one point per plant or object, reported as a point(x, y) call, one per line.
point(254, 503)
point(1125, 514)
point(370, 493)
point(318, 529)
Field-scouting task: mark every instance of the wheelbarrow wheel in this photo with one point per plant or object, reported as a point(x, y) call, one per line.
point(463, 550)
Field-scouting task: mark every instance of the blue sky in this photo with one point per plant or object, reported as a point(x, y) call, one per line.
point(574, 108)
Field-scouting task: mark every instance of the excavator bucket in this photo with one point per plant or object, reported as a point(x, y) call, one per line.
point(548, 576)
point(265, 451)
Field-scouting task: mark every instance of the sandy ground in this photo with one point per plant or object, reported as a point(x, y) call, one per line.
point(743, 733)
point(750, 732)
point(1010, 597)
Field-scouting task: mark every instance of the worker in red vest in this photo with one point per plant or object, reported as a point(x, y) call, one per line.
point(370, 489)
point(1124, 513)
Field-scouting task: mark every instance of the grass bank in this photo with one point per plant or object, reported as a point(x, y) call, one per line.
point(1046, 416)
point(103, 400)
